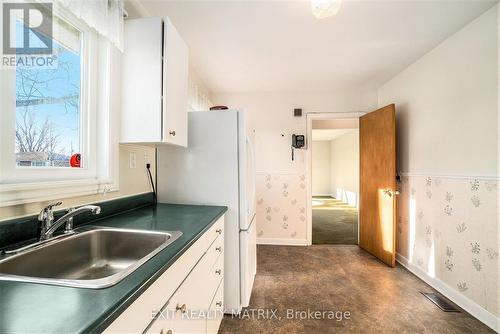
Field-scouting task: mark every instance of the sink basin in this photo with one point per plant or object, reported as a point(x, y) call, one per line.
point(92, 257)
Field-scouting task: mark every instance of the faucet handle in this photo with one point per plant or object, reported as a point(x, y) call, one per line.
point(53, 204)
point(46, 212)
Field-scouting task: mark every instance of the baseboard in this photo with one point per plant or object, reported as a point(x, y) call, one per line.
point(282, 242)
point(465, 303)
point(323, 195)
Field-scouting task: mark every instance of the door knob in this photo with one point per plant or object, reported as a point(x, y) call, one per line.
point(219, 249)
point(181, 308)
point(219, 231)
point(390, 192)
point(218, 271)
point(172, 133)
point(218, 304)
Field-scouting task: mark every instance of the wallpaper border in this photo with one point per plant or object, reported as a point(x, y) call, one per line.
point(451, 176)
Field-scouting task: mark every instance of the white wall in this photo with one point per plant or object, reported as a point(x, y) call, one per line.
point(321, 181)
point(447, 123)
point(335, 167)
point(199, 95)
point(344, 167)
point(278, 177)
point(447, 105)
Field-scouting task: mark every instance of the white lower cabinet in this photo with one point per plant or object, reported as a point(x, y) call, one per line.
point(216, 310)
point(183, 301)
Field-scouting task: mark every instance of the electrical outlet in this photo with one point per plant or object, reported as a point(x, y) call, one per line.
point(132, 161)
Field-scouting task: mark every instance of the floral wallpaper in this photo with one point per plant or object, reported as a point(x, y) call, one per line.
point(281, 206)
point(449, 228)
point(446, 226)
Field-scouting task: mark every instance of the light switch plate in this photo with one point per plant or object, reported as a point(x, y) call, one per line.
point(132, 160)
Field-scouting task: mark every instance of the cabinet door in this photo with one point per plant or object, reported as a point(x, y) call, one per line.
point(175, 86)
point(142, 82)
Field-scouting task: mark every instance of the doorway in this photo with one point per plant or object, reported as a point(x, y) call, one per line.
point(377, 177)
point(335, 181)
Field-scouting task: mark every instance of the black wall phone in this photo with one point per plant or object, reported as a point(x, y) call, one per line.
point(298, 141)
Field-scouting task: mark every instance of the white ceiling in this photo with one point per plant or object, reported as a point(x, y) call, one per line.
point(329, 134)
point(279, 46)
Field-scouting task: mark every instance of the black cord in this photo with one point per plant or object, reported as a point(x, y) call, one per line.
point(148, 167)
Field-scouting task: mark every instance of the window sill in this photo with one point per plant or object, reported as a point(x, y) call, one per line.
point(22, 193)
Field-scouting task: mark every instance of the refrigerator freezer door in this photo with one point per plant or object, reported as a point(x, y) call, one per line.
point(248, 261)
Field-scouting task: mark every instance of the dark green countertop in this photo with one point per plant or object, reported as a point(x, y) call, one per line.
point(38, 308)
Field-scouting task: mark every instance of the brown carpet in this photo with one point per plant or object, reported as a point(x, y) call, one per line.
point(334, 222)
point(340, 278)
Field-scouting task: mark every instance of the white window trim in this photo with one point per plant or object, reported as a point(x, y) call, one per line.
point(102, 174)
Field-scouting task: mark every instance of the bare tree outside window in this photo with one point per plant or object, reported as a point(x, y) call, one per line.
point(48, 111)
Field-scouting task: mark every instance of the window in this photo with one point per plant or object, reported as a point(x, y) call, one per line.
point(53, 117)
point(48, 111)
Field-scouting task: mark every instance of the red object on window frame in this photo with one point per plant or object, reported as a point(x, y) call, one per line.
point(75, 159)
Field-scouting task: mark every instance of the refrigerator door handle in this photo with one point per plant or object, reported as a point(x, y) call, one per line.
point(251, 200)
point(249, 226)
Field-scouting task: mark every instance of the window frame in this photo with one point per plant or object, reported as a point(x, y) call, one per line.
point(99, 173)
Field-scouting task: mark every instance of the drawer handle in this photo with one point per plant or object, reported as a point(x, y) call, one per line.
point(166, 332)
point(218, 271)
point(181, 308)
point(219, 249)
point(218, 304)
point(219, 231)
point(172, 133)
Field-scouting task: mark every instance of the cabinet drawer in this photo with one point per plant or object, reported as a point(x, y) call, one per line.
point(216, 310)
point(187, 310)
point(216, 250)
point(162, 324)
point(217, 270)
point(140, 313)
point(213, 233)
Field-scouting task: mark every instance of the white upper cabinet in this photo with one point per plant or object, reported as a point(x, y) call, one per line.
point(154, 83)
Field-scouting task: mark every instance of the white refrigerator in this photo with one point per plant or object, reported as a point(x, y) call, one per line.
point(217, 168)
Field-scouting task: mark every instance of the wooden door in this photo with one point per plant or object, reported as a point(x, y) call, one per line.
point(377, 211)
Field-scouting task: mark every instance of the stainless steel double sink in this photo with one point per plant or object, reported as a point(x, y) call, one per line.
point(91, 257)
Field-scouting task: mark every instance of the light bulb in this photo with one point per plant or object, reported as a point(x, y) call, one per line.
point(325, 8)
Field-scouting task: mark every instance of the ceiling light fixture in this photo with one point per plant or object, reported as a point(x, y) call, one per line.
point(325, 8)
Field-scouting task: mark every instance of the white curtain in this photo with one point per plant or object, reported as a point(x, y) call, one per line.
point(105, 16)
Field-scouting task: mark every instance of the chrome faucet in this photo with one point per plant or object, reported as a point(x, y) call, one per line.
point(46, 217)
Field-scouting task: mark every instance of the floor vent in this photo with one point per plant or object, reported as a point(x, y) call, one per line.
point(440, 301)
